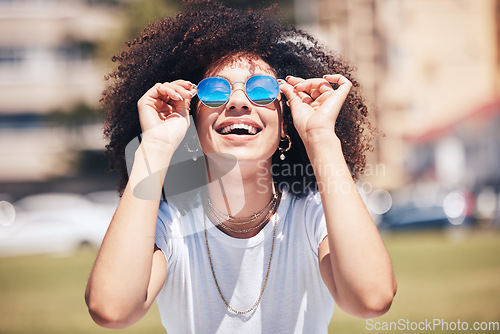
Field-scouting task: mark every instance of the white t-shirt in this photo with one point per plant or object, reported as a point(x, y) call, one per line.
point(295, 299)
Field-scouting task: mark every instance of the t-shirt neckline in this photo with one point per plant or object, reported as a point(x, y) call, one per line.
point(266, 232)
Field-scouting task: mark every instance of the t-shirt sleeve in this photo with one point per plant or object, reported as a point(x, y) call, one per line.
point(164, 232)
point(315, 221)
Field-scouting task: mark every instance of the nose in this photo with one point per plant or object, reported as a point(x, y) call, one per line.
point(238, 99)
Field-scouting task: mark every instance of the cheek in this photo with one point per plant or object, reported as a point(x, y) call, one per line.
point(282, 124)
point(277, 130)
point(204, 120)
point(279, 118)
point(202, 127)
point(203, 117)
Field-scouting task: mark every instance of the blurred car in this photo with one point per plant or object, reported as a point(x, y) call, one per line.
point(412, 217)
point(57, 222)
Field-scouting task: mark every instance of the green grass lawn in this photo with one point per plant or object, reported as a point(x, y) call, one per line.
point(438, 278)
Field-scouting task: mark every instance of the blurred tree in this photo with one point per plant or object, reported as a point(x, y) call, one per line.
point(256, 4)
point(136, 15)
point(143, 12)
point(75, 115)
point(139, 13)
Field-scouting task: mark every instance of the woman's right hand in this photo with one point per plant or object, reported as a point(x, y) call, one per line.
point(164, 112)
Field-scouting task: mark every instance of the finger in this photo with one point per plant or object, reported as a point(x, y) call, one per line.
point(168, 110)
point(293, 80)
point(344, 84)
point(186, 94)
point(167, 99)
point(335, 103)
point(315, 87)
point(154, 92)
point(306, 98)
point(178, 90)
point(169, 91)
point(292, 96)
point(153, 98)
point(184, 83)
point(309, 85)
point(315, 93)
point(159, 91)
point(184, 88)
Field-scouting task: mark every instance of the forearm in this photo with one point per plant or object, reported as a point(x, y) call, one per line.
point(121, 275)
point(361, 268)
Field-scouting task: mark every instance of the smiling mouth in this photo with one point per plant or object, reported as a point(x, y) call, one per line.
point(239, 129)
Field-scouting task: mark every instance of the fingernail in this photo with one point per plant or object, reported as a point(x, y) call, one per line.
point(288, 77)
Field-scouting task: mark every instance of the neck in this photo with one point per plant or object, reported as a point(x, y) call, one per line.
point(243, 191)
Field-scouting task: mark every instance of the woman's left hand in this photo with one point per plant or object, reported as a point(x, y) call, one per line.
point(314, 103)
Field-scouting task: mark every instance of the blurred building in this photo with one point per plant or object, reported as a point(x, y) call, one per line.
point(426, 66)
point(431, 69)
point(48, 61)
point(47, 53)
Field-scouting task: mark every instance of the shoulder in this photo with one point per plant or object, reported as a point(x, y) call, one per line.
point(306, 214)
point(168, 221)
point(172, 227)
point(179, 223)
point(167, 212)
point(306, 203)
point(305, 210)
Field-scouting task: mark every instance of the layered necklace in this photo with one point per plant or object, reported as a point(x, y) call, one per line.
point(271, 208)
point(225, 220)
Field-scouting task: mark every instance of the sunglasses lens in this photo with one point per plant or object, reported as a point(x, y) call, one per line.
point(262, 89)
point(214, 92)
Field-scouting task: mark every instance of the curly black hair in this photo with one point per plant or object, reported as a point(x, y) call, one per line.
point(186, 46)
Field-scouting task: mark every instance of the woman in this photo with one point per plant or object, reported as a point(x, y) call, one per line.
point(265, 246)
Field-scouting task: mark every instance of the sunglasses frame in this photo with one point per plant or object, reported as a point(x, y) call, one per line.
point(244, 89)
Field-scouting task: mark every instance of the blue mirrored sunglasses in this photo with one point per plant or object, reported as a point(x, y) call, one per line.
point(214, 92)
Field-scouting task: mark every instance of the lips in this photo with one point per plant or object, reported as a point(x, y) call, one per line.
point(238, 128)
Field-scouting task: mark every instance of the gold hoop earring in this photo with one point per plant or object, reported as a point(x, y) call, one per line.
point(283, 150)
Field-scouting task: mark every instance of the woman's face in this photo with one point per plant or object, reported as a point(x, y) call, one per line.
point(239, 112)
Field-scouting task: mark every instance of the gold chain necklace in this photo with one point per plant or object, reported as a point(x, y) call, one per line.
point(272, 210)
point(241, 220)
point(215, 278)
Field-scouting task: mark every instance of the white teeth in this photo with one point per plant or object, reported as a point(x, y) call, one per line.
point(251, 129)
